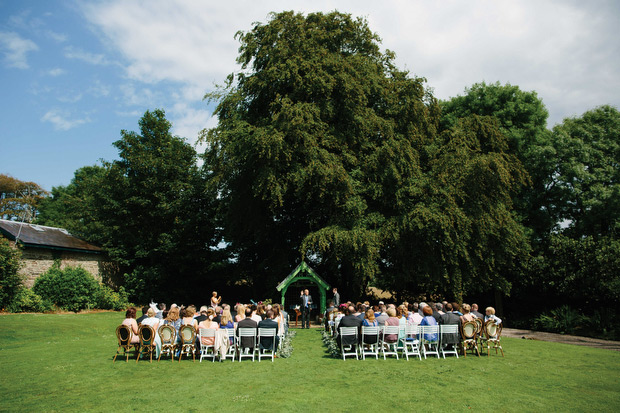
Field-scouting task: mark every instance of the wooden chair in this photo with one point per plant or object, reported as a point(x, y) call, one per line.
point(124, 335)
point(188, 341)
point(168, 337)
point(469, 337)
point(147, 342)
point(492, 336)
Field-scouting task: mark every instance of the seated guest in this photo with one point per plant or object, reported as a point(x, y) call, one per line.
point(209, 323)
point(450, 318)
point(327, 315)
point(130, 321)
point(429, 320)
point(160, 313)
point(240, 313)
point(414, 317)
point(255, 316)
point(174, 320)
point(143, 316)
point(203, 314)
point(467, 315)
point(456, 307)
point(188, 317)
point(269, 322)
point(383, 315)
point(401, 314)
point(247, 322)
point(392, 320)
point(474, 311)
point(370, 321)
point(153, 322)
point(277, 317)
point(349, 320)
point(226, 322)
point(490, 315)
point(218, 314)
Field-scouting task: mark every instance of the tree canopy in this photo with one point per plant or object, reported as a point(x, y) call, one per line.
point(19, 199)
point(326, 151)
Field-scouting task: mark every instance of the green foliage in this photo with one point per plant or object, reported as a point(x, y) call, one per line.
point(72, 289)
point(587, 172)
point(326, 151)
point(10, 279)
point(108, 299)
point(285, 350)
point(564, 320)
point(26, 300)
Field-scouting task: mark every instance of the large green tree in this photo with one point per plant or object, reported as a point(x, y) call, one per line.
point(522, 117)
point(326, 151)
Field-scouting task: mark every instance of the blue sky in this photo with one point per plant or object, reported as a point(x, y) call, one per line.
point(73, 74)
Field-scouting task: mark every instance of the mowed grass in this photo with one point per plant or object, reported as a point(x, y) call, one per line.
point(64, 363)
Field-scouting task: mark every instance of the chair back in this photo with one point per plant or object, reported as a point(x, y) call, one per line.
point(491, 329)
point(266, 332)
point(390, 330)
point(412, 331)
point(147, 335)
point(187, 334)
point(479, 325)
point(167, 334)
point(372, 331)
point(123, 334)
point(430, 334)
point(449, 329)
point(468, 330)
point(247, 332)
point(348, 331)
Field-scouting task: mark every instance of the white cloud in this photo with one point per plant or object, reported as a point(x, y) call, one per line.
point(15, 49)
point(567, 51)
point(60, 120)
point(187, 122)
point(57, 37)
point(91, 58)
point(56, 72)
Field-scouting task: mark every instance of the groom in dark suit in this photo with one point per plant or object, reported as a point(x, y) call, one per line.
point(306, 307)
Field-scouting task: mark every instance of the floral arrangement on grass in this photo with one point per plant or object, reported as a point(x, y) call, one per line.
point(330, 343)
point(286, 349)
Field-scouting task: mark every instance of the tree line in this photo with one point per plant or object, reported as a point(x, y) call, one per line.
point(326, 151)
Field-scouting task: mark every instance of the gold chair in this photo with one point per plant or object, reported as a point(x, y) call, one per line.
point(188, 341)
point(147, 342)
point(124, 335)
point(468, 334)
point(168, 337)
point(492, 336)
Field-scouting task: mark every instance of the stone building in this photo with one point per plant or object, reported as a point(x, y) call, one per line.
point(41, 246)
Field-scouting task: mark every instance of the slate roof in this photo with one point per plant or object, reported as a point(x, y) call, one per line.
point(45, 237)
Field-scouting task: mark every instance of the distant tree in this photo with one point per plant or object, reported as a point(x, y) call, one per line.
point(75, 206)
point(326, 151)
point(587, 173)
point(19, 200)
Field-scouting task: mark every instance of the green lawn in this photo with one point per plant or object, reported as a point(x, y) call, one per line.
point(64, 363)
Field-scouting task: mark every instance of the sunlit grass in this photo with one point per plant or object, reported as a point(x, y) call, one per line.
point(64, 362)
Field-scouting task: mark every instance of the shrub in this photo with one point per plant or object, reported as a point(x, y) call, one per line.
point(108, 299)
point(565, 320)
point(72, 289)
point(27, 300)
point(10, 280)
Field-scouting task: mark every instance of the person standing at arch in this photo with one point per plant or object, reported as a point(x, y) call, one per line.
point(306, 307)
point(336, 297)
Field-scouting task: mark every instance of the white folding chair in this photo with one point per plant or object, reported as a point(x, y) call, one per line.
point(412, 342)
point(448, 338)
point(369, 343)
point(389, 347)
point(348, 349)
point(203, 334)
point(246, 332)
point(231, 349)
point(429, 340)
point(266, 352)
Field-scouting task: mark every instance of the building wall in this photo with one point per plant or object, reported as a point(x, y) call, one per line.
point(36, 261)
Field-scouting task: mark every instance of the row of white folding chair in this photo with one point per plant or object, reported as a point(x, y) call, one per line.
point(208, 350)
point(256, 336)
point(417, 340)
